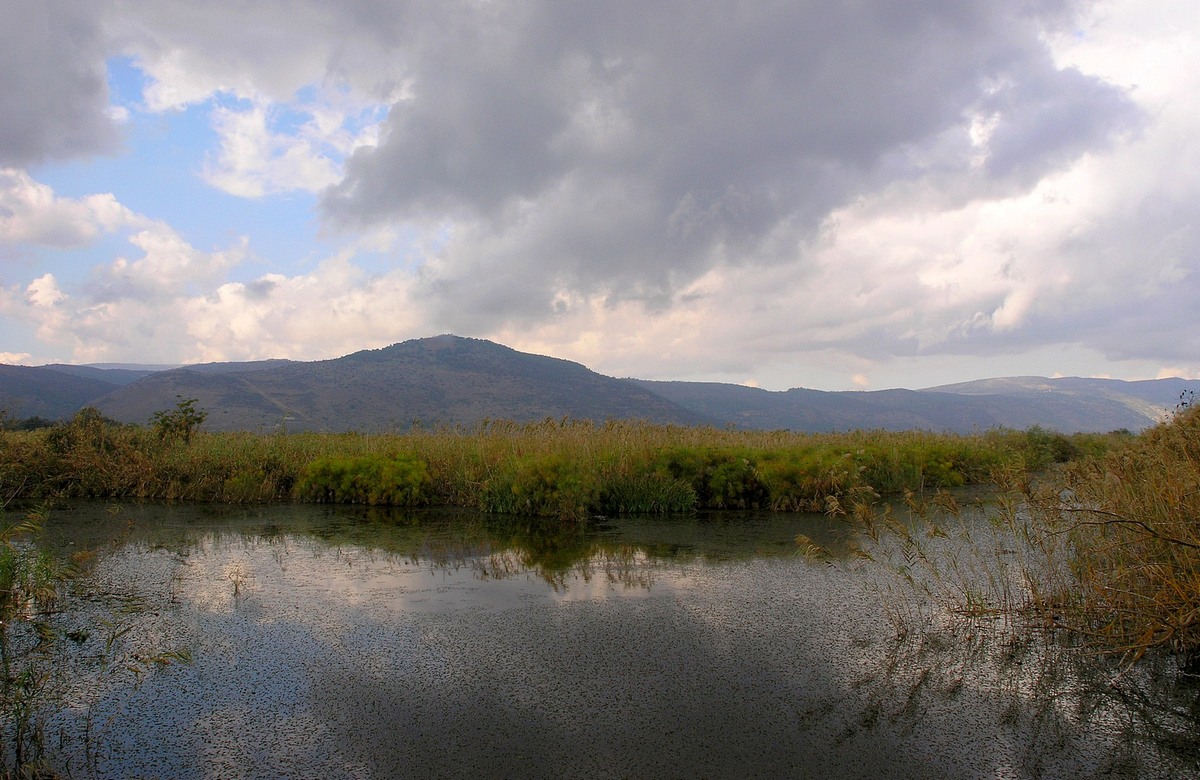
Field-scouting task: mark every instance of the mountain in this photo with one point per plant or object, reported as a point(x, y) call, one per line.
point(1149, 399)
point(116, 375)
point(443, 380)
point(46, 391)
point(1069, 405)
point(452, 380)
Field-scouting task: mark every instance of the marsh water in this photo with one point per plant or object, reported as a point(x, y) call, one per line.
point(342, 642)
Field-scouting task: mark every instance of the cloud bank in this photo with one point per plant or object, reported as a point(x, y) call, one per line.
point(796, 193)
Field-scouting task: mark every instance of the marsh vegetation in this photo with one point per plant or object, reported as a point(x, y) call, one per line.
point(1070, 563)
point(45, 636)
point(1102, 550)
point(563, 469)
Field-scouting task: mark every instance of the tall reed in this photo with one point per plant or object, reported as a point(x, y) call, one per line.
point(554, 467)
point(1103, 549)
point(1128, 527)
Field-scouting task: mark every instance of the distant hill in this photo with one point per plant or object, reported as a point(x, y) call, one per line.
point(1148, 399)
point(233, 368)
point(452, 380)
point(43, 391)
point(109, 375)
point(1069, 405)
point(818, 411)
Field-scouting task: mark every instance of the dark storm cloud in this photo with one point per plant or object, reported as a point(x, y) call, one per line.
point(625, 148)
point(1050, 118)
point(53, 92)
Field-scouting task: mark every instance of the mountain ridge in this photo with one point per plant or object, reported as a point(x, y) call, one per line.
point(453, 380)
point(446, 380)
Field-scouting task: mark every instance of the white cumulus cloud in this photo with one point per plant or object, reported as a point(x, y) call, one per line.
point(30, 213)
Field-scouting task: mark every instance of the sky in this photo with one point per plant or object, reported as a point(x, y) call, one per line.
point(834, 195)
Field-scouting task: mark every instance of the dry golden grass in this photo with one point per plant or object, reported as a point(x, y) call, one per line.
point(1128, 527)
point(1104, 550)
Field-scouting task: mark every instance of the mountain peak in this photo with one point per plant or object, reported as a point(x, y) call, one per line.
point(445, 379)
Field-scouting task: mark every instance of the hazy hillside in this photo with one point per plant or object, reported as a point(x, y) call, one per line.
point(453, 380)
point(819, 411)
point(1148, 398)
point(233, 368)
point(110, 376)
point(1068, 404)
point(28, 391)
point(442, 380)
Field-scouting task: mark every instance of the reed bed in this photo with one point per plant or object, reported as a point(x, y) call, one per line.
point(559, 468)
point(1126, 528)
point(1103, 549)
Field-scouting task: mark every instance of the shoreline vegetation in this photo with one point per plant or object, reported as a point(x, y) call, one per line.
point(561, 469)
point(1101, 552)
point(1111, 521)
point(1093, 540)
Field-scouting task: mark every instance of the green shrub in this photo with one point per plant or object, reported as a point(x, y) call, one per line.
point(721, 478)
point(802, 480)
point(917, 462)
point(376, 480)
point(180, 422)
point(250, 486)
point(1044, 447)
point(544, 485)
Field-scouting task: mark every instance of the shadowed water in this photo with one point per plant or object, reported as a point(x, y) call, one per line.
point(336, 642)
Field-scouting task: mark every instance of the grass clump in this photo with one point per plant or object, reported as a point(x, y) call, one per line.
point(646, 492)
point(805, 480)
point(30, 584)
point(719, 477)
point(372, 479)
point(544, 485)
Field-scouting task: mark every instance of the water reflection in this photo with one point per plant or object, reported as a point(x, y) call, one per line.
point(497, 546)
point(355, 643)
point(953, 589)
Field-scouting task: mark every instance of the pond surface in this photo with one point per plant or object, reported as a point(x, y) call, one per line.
point(340, 642)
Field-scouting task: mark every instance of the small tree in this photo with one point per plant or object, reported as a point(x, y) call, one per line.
point(180, 422)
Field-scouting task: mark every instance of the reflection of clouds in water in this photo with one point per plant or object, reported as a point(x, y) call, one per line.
point(219, 572)
point(344, 661)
